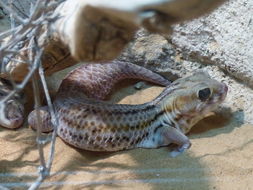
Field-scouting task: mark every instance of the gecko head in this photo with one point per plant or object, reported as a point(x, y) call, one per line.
point(193, 98)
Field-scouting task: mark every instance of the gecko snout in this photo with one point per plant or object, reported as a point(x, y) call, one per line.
point(223, 91)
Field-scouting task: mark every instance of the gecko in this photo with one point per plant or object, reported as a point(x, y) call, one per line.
point(87, 121)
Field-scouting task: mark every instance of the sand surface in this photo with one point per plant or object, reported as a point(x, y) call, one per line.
point(221, 157)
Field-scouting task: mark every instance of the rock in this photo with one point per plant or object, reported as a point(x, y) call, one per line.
point(153, 51)
point(98, 30)
point(224, 38)
point(139, 85)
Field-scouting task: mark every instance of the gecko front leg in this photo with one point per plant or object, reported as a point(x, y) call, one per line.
point(173, 135)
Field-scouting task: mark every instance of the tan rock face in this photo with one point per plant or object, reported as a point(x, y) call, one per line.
point(99, 30)
point(224, 38)
point(153, 51)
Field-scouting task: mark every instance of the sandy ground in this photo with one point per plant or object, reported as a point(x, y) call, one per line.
point(221, 157)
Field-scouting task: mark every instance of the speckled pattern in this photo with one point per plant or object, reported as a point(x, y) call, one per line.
point(87, 122)
point(12, 110)
point(97, 80)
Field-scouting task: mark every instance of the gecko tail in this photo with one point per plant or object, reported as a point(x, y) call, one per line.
point(46, 124)
point(98, 79)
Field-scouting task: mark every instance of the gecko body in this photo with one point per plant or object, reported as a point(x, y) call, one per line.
point(87, 122)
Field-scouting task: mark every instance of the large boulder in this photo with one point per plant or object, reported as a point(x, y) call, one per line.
point(224, 38)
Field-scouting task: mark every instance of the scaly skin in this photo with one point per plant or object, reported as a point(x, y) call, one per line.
point(11, 111)
point(88, 123)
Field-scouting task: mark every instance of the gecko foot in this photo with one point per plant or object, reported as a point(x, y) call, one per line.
point(179, 150)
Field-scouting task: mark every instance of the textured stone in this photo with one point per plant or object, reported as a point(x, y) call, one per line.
point(99, 30)
point(153, 51)
point(225, 38)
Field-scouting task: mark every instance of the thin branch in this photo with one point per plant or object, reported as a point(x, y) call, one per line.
point(25, 80)
point(37, 183)
point(54, 119)
point(8, 32)
point(15, 15)
point(11, 15)
point(20, 11)
point(19, 61)
point(37, 105)
point(41, 15)
point(3, 188)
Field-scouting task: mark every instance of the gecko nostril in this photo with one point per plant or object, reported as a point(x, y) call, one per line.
point(225, 87)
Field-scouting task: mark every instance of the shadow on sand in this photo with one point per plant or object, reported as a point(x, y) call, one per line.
point(132, 169)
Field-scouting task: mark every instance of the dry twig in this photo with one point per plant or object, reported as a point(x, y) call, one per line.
point(31, 28)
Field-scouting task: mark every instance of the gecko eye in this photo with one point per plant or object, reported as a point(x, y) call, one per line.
point(204, 94)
